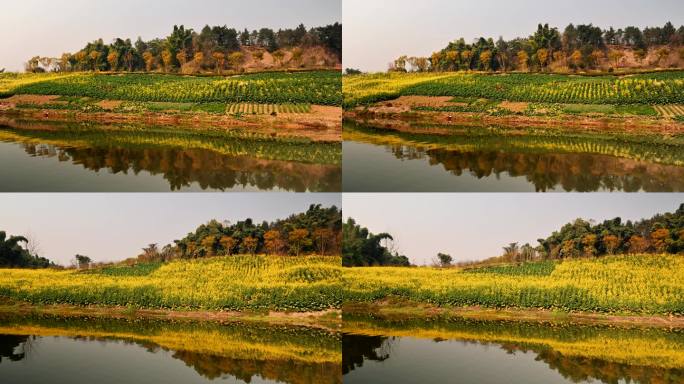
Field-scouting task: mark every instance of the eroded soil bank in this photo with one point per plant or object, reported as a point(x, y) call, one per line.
point(414, 110)
point(321, 123)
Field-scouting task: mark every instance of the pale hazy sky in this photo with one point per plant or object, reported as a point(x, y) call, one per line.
point(110, 227)
point(378, 31)
point(50, 28)
point(476, 226)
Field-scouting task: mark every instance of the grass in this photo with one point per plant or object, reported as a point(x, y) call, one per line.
point(237, 283)
point(640, 284)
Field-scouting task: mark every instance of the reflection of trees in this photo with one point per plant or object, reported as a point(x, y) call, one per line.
point(8, 345)
point(294, 372)
point(357, 348)
point(572, 172)
point(245, 351)
point(182, 167)
point(576, 367)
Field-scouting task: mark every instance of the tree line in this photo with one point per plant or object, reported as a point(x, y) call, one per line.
point(213, 48)
point(360, 247)
point(578, 47)
point(316, 231)
point(662, 233)
point(15, 253)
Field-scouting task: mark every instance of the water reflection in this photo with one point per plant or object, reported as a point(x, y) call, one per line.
point(237, 352)
point(205, 160)
point(9, 344)
point(512, 350)
point(490, 159)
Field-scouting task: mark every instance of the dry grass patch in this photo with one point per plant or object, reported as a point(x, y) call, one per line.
point(517, 106)
point(109, 105)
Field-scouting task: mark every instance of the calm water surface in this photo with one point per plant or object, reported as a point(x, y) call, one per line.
point(483, 159)
point(54, 350)
point(497, 352)
point(79, 158)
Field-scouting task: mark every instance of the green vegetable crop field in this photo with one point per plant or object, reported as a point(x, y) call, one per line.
point(651, 88)
point(322, 87)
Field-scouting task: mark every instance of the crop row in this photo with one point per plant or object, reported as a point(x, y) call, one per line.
point(265, 109)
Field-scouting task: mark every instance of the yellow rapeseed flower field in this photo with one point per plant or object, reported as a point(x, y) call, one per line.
point(224, 283)
point(644, 284)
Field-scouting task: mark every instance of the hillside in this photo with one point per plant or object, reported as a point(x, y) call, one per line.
point(213, 49)
point(577, 48)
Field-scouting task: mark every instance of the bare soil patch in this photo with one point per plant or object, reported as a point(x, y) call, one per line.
point(407, 103)
point(514, 106)
point(425, 101)
point(108, 105)
point(32, 99)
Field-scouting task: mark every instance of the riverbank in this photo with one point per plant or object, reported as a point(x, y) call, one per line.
point(389, 117)
point(319, 124)
point(405, 310)
point(327, 319)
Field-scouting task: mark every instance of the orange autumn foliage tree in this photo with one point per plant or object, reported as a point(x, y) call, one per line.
point(298, 239)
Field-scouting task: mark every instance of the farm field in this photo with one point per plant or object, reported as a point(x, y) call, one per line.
point(636, 284)
point(320, 88)
point(238, 283)
point(301, 104)
point(610, 95)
